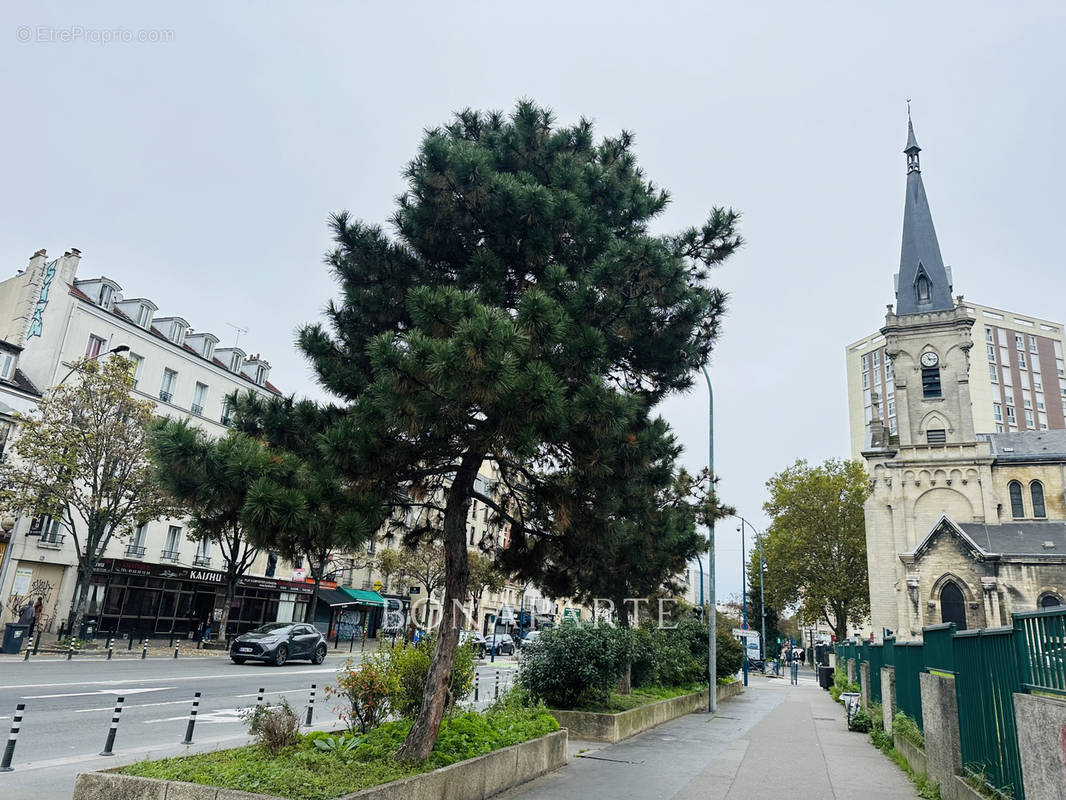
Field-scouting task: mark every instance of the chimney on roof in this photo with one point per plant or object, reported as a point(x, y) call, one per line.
point(42, 253)
point(75, 252)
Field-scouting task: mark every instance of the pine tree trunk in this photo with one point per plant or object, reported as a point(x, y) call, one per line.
point(423, 734)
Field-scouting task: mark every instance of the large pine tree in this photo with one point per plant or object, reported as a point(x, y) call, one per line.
point(522, 296)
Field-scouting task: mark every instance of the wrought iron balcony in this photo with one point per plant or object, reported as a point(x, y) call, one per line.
point(133, 551)
point(202, 561)
point(170, 555)
point(51, 541)
point(197, 410)
point(166, 397)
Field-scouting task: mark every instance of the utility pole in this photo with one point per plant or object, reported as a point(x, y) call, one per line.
point(712, 621)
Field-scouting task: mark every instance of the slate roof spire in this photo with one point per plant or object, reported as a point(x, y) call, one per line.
point(923, 283)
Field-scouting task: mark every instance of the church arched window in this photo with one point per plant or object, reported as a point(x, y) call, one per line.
point(953, 606)
point(1050, 600)
point(1017, 508)
point(1036, 491)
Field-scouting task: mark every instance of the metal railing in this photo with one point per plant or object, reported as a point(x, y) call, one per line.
point(1040, 645)
point(876, 658)
point(133, 551)
point(939, 650)
point(51, 541)
point(198, 410)
point(910, 662)
point(170, 555)
point(986, 678)
point(201, 561)
point(165, 396)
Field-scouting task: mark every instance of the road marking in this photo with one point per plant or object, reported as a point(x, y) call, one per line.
point(121, 690)
point(169, 678)
point(141, 705)
point(220, 717)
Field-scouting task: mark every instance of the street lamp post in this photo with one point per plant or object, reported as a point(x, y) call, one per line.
point(762, 589)
point(122, 348)
point(712, 621)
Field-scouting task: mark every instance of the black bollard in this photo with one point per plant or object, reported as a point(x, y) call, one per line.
point(311, 704)
point(113, 729)
point(9, 751)
point(171, 639)
point(130, 645)
point(70, 650)
point(37, 643)
point(176, 650)
point(192, 718)
point(351, 642)
point(496, 691)
point(27, 656)
point(144, 650)
point(259, 699)
point(477, 686)
point(110, 648)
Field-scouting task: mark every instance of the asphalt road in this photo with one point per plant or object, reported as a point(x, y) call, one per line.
point(69, 705)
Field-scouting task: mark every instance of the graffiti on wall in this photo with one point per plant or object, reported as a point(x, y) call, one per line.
point(37, 320)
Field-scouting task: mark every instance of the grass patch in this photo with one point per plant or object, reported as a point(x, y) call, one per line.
point(304, 772)
point(643, 696)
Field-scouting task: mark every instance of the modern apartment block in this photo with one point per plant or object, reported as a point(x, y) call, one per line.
point(1017, 380)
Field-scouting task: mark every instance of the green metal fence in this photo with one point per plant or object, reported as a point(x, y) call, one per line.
point(910, 663)
point(875, 655)
point(939, 651)
point(1040, 646)
point(986, 678)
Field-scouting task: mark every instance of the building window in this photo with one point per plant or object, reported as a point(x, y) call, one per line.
point(1027, 399)
point(953, 606)
point(992, 353)
point(1038, 385)
point(170, 382)
point(199, 399)
point(106, 293)
point(1017, 509)
point(170, 548)
point(924, 288)
point(1021, 360)
point(993, 373)
point(1032, 344)
point(138, 367)
point(989, 336)
point(95, 347)
point(7, 365)
point(936, 436)
point(1011, 418)
point(235, 362)
point(1050, 601)
point(260, 375)
point(892, 425)
point(999, 428)
point(144, 315)
point(888, 368)
point(1019, 341)
point(209, 349)
point(866, 380)
point(997, 412)
point(865, 363)
point(1009, 395)
point(1036, 492)
point(891, 408)
point(135, 549)
point(931, 382)
point(1059, 368)
point(877, 358)
point(203, 553)
point(1029, 420)
point(1040, 403)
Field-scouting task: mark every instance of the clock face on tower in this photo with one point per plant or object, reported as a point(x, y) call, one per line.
point(930, 359)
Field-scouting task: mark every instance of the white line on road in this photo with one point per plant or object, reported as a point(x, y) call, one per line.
point(245, 674)
point(141, 705)
point(116, 690)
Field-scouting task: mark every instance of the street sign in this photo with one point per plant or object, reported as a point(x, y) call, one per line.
point(414, 590)
point(745, 634)
point(744, 625)
point(377, 586)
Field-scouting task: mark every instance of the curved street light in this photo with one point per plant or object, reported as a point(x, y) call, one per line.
point(122, 348)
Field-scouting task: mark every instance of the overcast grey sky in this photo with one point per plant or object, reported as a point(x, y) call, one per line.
point(199, 171)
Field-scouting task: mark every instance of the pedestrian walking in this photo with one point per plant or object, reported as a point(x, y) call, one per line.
point(26, 615)
point(794, 669)
point(38, 609)
point(803, 657)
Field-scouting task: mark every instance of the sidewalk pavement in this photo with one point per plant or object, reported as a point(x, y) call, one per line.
point(775, 740)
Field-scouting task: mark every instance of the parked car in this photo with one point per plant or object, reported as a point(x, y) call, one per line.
point(502, 643)
point(475, 638)
point(277, 642)
point(529, 637)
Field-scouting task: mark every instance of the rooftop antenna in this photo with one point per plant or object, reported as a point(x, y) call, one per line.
point(239, 331)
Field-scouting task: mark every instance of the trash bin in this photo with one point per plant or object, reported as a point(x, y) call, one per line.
point(14, 635)
point(87, 630)
point(825, 677)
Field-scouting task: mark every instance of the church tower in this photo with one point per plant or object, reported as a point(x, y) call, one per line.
point(928, 334)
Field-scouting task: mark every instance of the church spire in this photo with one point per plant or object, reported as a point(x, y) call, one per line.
point(923, 283)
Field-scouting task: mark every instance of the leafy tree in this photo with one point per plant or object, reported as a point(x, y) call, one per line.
point(388, 563)
point(773, 616)
point(301, 507)
point(424, 564)
point(522, 297)
point(484, 574)
point(815, 546)
point(211, 478)
point(82, 459)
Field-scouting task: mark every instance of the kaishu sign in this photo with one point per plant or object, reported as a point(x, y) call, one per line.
point(117, 567)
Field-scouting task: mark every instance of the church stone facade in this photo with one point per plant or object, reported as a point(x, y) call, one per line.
point(961, 525)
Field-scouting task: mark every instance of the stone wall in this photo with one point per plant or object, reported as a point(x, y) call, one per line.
point(1041, 725)
point(940, 724)
point(888, 696)
point(864, 684)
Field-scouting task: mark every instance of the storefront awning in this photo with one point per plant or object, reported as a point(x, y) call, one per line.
point(365, 597)
point(335, 597)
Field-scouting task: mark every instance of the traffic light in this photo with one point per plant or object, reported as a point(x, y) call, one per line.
point(779, 640)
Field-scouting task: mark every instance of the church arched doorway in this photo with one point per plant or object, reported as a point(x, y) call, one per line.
point(953, 606)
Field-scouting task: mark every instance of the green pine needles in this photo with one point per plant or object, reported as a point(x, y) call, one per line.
point(520, 315)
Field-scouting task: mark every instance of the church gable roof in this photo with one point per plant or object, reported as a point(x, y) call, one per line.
point(946, 526)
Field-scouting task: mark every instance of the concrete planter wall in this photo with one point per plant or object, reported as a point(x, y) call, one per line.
point(615, 727)
point(475, 779)
point(915, 755)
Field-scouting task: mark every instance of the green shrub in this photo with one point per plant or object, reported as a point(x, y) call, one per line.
point(877, 716)
point(366, 693)
point(905, 727)
point(835, 692)
point(575, 664)
point(274, 727)
point(407, 667)
point(882, 741)
point(861, 722)
point(644, 667)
